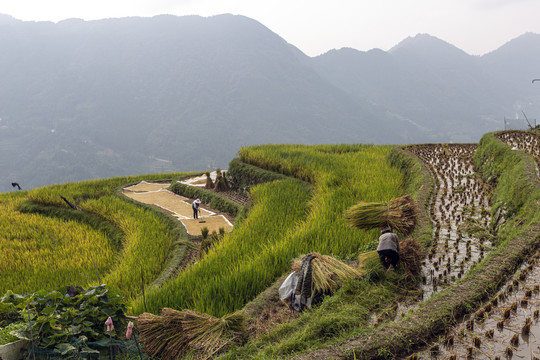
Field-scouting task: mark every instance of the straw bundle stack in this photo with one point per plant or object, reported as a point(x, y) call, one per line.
point(328, 273)
point(399, 213)
point(221, 183)
point(174, 333)
point(209, 183)
point(410, 256)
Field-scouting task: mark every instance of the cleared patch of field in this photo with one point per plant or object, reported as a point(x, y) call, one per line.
point(168, 201)
point(213, 223)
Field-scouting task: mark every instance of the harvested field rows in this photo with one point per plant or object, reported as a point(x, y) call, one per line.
point(460, 213)
point(507, 326)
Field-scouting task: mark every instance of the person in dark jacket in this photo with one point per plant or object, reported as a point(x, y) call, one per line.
point(195, 206)
point(388, 248)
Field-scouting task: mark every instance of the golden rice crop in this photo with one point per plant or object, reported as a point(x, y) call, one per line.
point(40, 252)
point(328, 273)
point(175, 333)
point(399, 213)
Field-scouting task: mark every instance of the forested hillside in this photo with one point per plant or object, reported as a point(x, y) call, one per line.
point(91, 99)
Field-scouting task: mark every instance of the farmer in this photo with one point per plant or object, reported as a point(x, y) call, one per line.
point(388, 248)
point(195, 206)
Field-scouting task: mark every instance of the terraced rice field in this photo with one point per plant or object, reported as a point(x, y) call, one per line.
point(459, 210)
point(506, 327)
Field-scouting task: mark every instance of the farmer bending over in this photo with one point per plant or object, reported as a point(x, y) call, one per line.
point(195, 206)
point(388, 248)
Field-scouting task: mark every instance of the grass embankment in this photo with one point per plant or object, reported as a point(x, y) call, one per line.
point(517, 190)
point(288, 218)
point(58, 246)
point(348, 312)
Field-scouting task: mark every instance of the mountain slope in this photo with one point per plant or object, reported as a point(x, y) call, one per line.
point(90, 99)
point(426, 80)
point(132, 95)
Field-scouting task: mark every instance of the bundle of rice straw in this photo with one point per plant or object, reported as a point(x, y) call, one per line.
point(175, 334)
point(221, 183)
point(410, 257)
point(399, 213)
point(327, 272)
point(209, 183)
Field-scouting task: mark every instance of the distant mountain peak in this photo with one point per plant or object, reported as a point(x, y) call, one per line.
point(8, 19)
point(421, 42)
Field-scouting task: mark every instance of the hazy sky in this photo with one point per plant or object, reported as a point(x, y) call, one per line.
point(316, 26)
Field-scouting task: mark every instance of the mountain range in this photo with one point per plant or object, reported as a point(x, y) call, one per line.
point(92, 99)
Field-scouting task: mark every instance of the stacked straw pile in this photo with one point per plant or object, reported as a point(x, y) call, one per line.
point(410, 256)
point(221, 183)
point(399, 213)
point(175, 334)
point(209, 183)
point(328, 273)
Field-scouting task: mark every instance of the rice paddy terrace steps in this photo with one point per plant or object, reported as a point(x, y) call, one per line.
point(464, 236)
point(460, 212)
point(504, 327)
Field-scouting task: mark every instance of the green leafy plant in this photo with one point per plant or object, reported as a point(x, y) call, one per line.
point(5, 333)
point(63, 323)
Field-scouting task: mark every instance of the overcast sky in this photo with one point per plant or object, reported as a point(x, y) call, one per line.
point(316, 26)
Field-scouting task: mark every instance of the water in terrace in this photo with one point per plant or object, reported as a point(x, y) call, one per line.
point(460, 212)
point(508, 326)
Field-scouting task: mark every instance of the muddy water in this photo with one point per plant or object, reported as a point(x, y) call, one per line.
point(524, 141)
point(460, 212)
point(506, 327)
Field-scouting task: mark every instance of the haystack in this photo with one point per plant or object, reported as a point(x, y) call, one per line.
point(209, 183)
point(399, 213)
point(410, 257)
point(328, 273)
point(221, 183)
point(174, 333)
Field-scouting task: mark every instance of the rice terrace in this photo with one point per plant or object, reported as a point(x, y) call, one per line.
point(119, 268)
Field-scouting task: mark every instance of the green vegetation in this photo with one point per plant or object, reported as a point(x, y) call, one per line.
point(58, 246)
point(5, 333)
point(53, 320)
point(517, 188)
point(243, 176)
point(300, 194)
point(40, 252)
point(288, 218)
point(517, 195)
